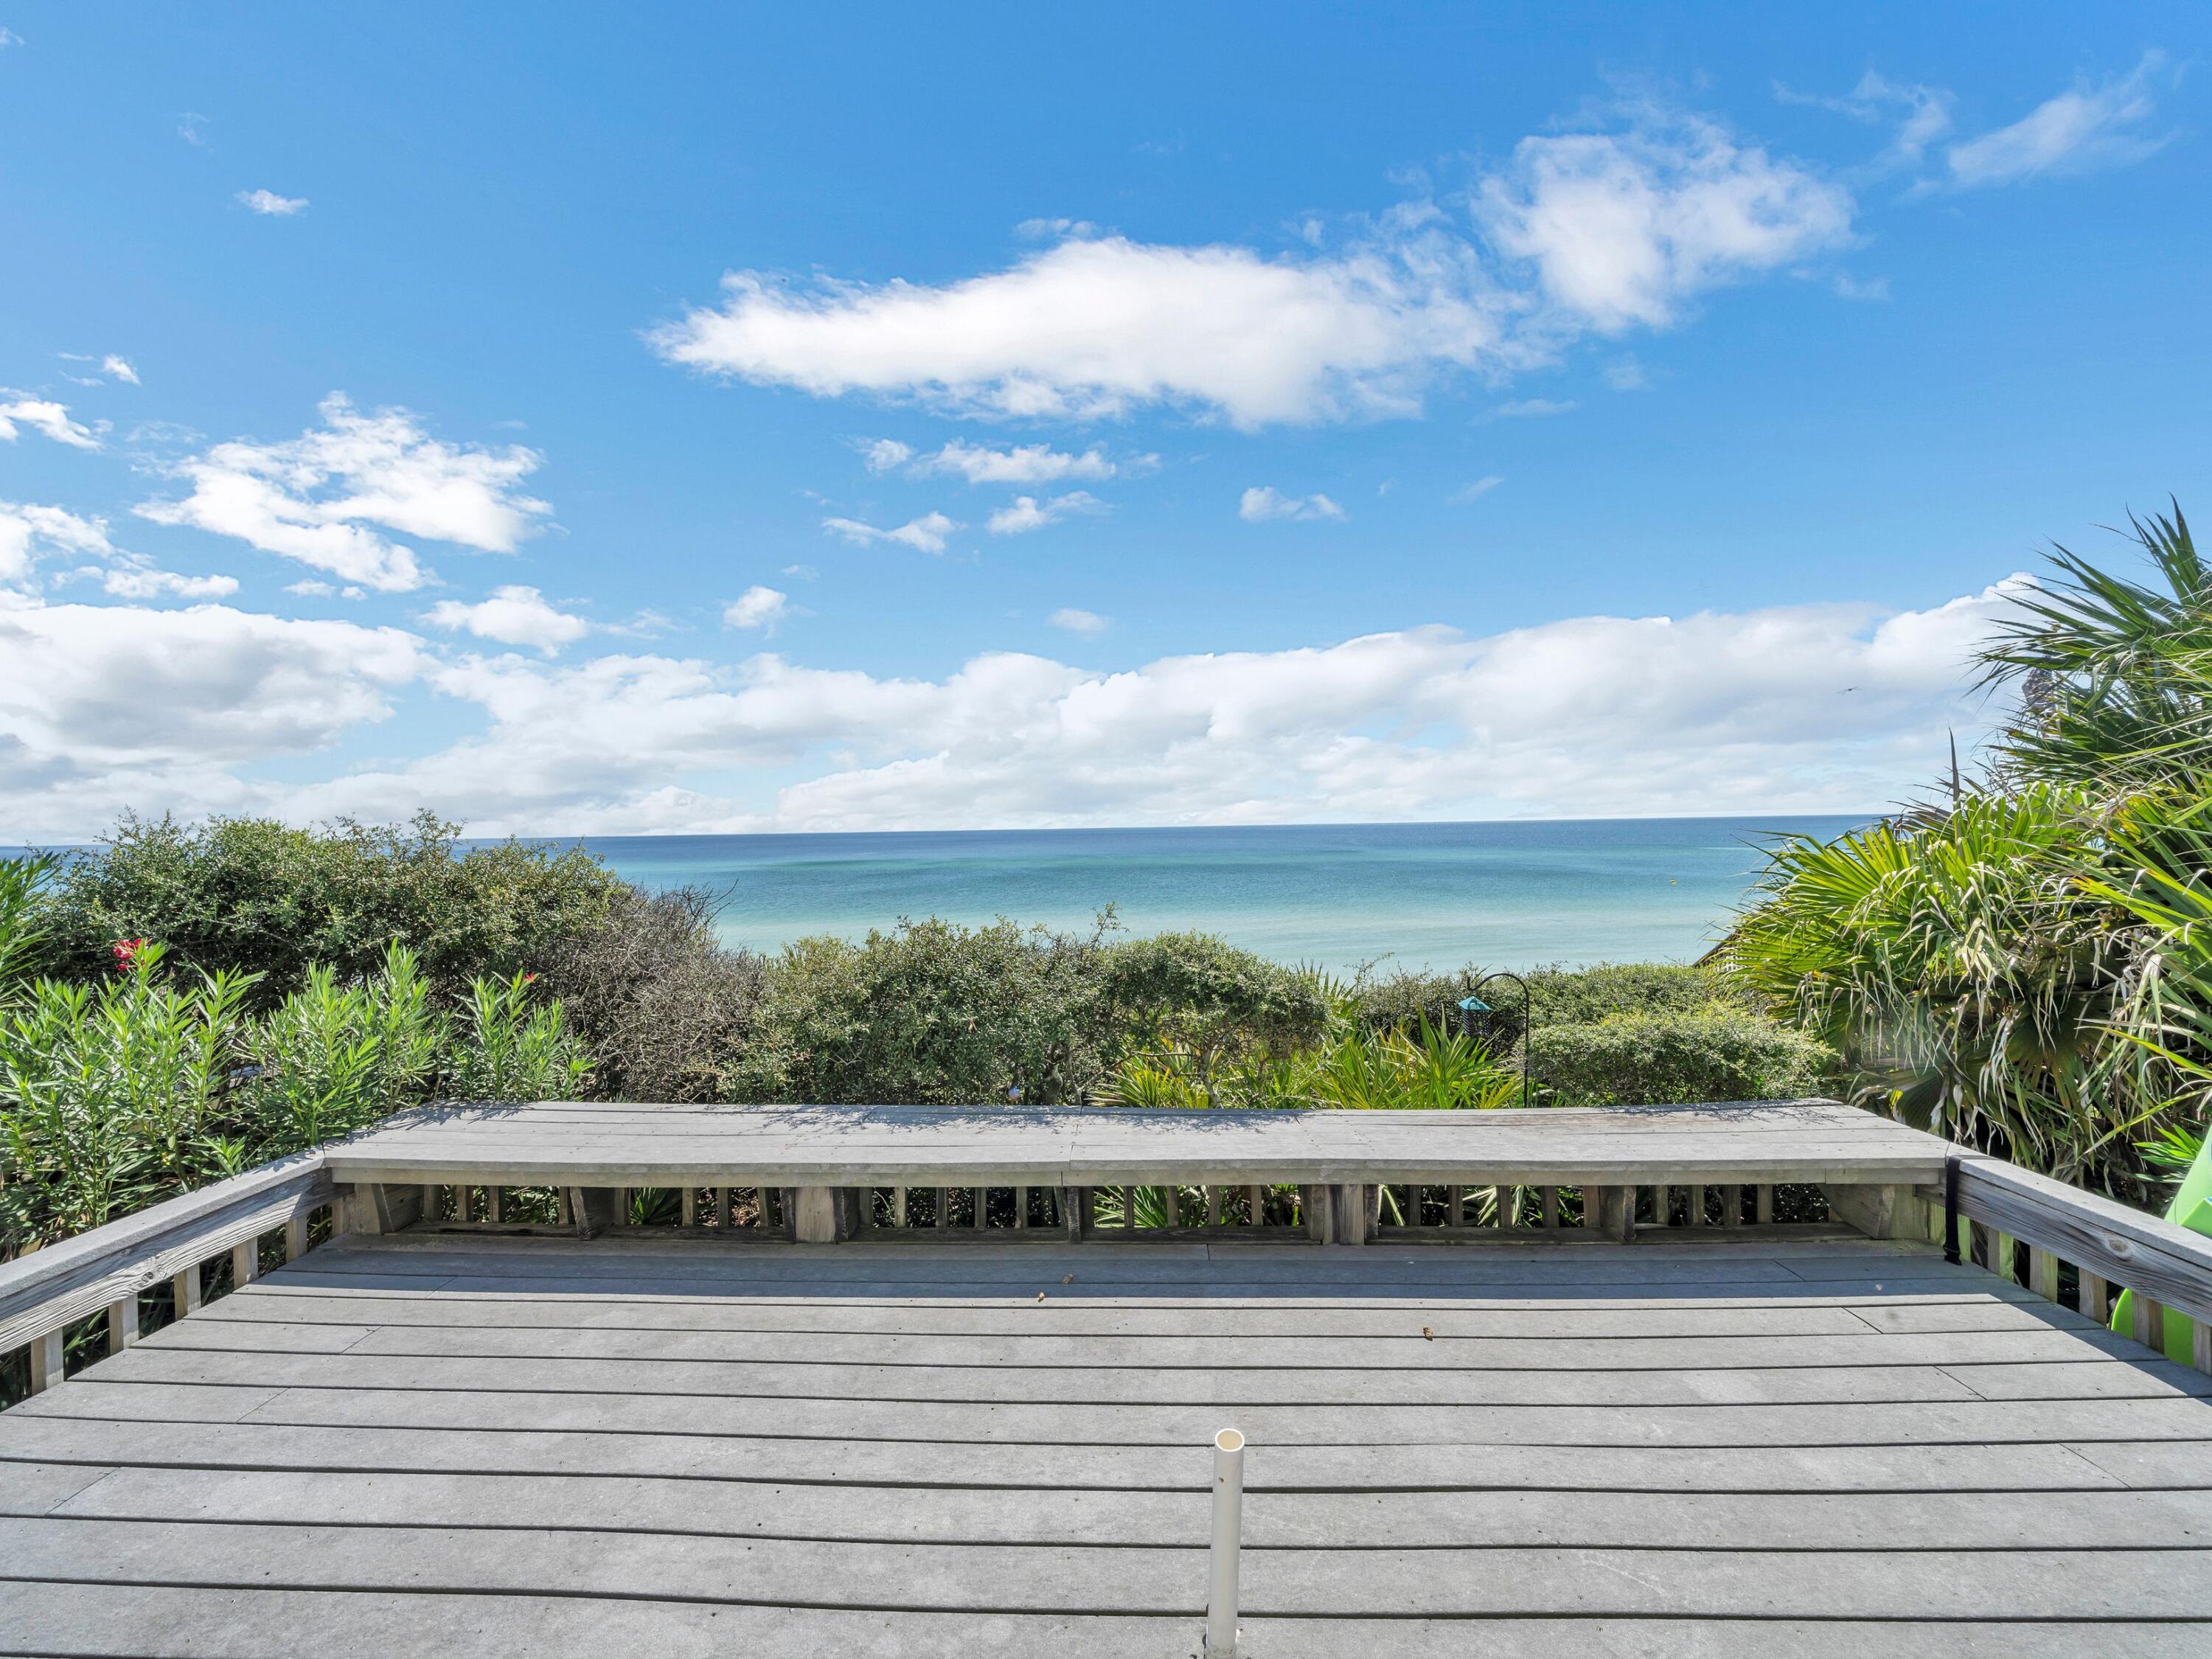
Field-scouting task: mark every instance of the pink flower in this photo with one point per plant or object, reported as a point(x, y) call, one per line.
point(530, 979)
point(126, 953)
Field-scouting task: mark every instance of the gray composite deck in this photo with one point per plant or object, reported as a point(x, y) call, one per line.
point(441, 1444)
point(553, 1142)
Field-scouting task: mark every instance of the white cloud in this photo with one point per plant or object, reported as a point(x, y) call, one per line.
point(1263, 502)
point(114, 706)
point(806, 573)
point(1027, 513)
point(1035, 230)
point(757, 607)
point(1626, 374)
point(927, 532)
point(884, 454)
point(313, 498)
point(1079, 621)
point(9, 38)
point(1795, 709)
point(2080, 130)
point(1095, 328)
point(1025, 464)
point(512, 615)
point(1525, 407)
point(1623, 229)
point(312, 589)
point(1922, 114)
point(190, 127)
point(134, 577)
point(28, 531)
point(1601, 230)
point(118, 368)
point(43, 416)
point(270, 204)
point(1849, 287)
point(1474, 491)
point(1834, 706)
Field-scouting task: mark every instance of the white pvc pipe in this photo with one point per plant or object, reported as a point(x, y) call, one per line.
point(1228, 1529)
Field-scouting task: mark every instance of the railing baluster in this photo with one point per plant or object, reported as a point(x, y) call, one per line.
point(47, 1360)
point(245, 1263)
point(2149, 1321)
point(2200, 1344)
point(2094, 1297)
point(722, 1206)
point(2042, 1273)
point(1455, 1206)
point(1020, 1209)
point(1256, 1206)
point(122, 1323)
point(1548, 1211)
point(185, 1290)
point(1762, 1206)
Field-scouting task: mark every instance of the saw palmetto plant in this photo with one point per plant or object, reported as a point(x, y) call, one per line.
point(2027, 964)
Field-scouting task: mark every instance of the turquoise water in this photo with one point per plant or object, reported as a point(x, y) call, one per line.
point(1503, 894)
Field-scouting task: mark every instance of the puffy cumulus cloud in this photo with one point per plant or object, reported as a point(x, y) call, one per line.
point(324, 498)
point(1263, 502)
point(1623, 229)
point(1079, 621)
point(29, 531)
point(1804, 708)
point(2082, 130)
point(756, 607)
point(44, 416)
point(1603, 230)
point(270, 205)
point(927, 534)
point(114, 706)
point(512, 615)
point(1027, 513)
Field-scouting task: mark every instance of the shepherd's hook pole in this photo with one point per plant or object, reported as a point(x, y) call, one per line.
point(1228, 1525)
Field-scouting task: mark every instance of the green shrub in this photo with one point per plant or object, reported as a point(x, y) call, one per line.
point(254, 895)
point(334, 1058)
point(663, 1006)
point(1584, 995)
point(1196, 1006)
point(118, 1095)
point(929, 1013)
point(1717, 1052)
point(108, 1096)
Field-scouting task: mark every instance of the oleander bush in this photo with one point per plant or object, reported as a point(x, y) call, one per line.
point(121, 1092)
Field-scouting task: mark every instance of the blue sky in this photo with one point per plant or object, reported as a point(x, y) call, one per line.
point(878, 417)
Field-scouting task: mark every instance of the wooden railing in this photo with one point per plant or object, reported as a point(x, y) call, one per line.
point(1470, 1212)
point(2079, 1250)
point(108, 1271)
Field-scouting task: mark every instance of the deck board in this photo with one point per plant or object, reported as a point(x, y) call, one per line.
point(470, 1444)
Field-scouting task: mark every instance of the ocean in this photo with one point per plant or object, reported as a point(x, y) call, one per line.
point(1515, 895)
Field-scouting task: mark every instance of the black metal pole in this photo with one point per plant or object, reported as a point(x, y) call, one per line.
point(1528, 1023)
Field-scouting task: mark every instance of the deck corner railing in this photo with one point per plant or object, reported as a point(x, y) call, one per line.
point(108, 1272)
point(2080, 1250)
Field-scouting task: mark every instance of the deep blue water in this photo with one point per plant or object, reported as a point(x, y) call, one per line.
point(1504, 895)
